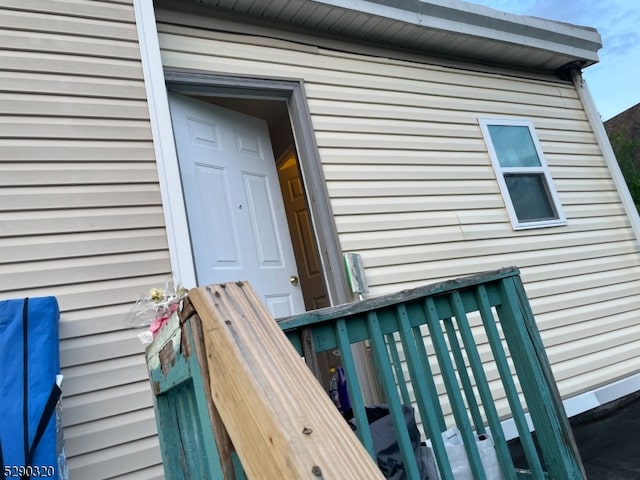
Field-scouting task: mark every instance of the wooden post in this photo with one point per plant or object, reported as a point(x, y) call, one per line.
point(280, 420)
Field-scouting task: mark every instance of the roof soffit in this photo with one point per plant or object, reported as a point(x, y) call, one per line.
point(449, 28)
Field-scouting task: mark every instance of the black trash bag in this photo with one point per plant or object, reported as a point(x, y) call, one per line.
point(385, 442)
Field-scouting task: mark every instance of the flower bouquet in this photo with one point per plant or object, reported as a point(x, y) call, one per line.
point(152, 311)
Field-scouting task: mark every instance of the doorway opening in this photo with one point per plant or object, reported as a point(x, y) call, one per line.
point(317, 282)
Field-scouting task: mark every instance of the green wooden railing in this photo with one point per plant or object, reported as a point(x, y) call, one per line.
point(432, 332)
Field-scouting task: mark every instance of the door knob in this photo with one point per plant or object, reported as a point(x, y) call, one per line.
point(293, 279)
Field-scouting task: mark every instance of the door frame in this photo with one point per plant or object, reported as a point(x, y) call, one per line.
point(200, 83)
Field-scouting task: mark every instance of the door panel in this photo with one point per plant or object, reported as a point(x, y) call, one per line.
point(263, 220)
point(237, 221)
point(304, 244)
point(222, 247)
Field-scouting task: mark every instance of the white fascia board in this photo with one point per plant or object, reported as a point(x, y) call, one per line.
point(479, 22)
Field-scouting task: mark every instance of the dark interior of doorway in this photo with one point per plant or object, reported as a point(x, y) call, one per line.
point(309, 265)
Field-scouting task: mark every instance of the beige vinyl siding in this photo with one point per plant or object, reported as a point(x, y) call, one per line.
point(413, 190)
point(81, 215)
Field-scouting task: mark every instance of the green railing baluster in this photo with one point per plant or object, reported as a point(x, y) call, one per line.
point(426, 395)
point(393, 400)
point(457, 403)
point(353, 386)
point(463, 374)
point(397, 366)
point(500, 358)
point(482, 384)
point(434, 400)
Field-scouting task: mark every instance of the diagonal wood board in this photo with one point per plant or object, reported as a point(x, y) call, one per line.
point(281, 422)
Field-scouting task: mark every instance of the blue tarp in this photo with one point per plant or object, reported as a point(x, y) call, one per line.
point(22, 403)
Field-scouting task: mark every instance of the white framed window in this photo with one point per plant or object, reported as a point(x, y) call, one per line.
point(523, 174)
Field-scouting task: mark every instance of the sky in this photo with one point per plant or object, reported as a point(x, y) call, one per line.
point(614, 81)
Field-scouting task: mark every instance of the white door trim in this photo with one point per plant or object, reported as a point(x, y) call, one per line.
point(175, 215)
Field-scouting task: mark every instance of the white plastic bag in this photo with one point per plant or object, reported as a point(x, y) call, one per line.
point(458, 457)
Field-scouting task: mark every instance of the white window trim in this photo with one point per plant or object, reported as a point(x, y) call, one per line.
point(500, 171)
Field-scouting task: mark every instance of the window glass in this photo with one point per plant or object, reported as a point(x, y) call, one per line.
point(514, 146)
point(529, 196)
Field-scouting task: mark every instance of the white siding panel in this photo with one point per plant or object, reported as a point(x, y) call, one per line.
point(21, 224)
point(90, 9)
point(97, 348)
point(68, 44)
point(128, 458)
point(111, 402)
point(63, 24)
point(72, 65)
point(80, 213)
point(49, 198)
point(103, 375)
point(63, 106)
point(80, 245)
point(109, 318)
point(66, 271)
point(75, 150)
point(42, 83)
point(74, 128)
point(362, 158)
point(124, 428)
point(89, 295)
point(34, 174)
point(362, 189)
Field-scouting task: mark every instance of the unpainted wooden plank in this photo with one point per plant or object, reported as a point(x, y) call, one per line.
point(293, 431)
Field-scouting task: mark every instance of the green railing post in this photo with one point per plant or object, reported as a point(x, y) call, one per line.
point(538, 386)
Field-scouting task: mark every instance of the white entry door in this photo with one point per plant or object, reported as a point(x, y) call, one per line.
point(237, 221)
